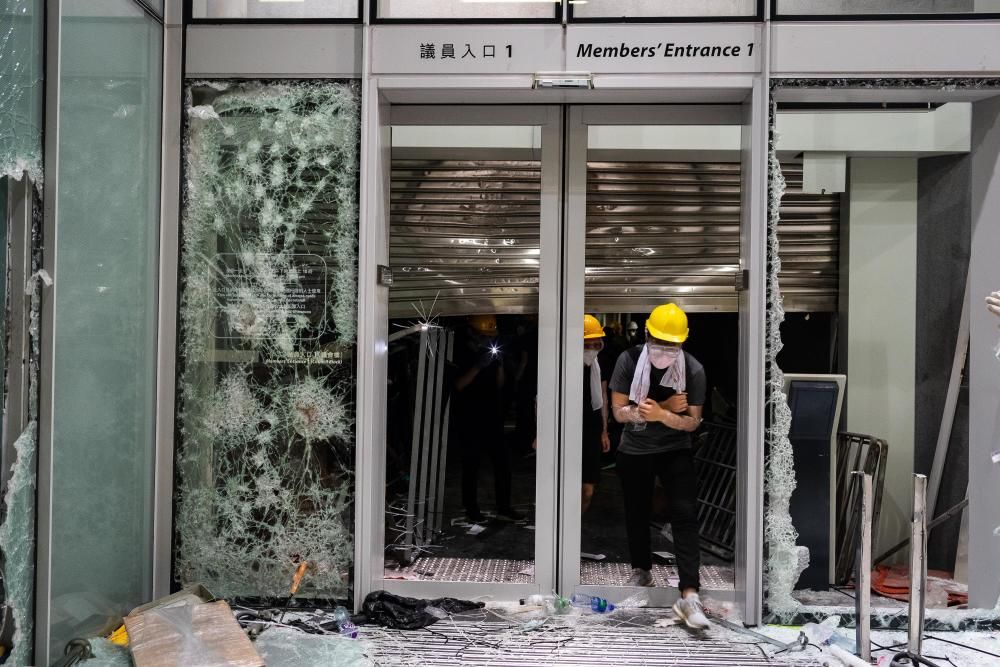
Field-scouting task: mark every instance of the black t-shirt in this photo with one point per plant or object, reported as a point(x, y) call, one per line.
point(657, 437)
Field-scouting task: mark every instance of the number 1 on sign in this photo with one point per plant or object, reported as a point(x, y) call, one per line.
point(750, 49)
point(509, 51)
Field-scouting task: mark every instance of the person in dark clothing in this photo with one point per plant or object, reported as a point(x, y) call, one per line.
point(658, 391)
point(594, 414)
point(479, 417)
point(614, 344)
point(595, 409)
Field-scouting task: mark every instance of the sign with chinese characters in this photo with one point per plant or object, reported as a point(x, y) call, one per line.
point(264, 295)
point(466, 49)
point(652, 49)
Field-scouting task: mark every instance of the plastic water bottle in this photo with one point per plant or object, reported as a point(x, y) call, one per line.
point(345, 626)
point(596, 604)
point(556, 605)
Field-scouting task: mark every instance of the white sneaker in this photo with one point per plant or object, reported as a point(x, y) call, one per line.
point(640, 577)
point(689, 610)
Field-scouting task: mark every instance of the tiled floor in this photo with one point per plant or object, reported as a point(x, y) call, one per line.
point(600, 573)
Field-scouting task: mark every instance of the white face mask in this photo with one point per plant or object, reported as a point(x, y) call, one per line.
point(589, 356)
point(663, 356)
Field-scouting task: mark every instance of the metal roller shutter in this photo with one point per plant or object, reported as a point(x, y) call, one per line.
point(465, 237)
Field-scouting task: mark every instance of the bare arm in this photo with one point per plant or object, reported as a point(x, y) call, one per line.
point(466, 378)
point(605, 438)
point(652, 411)
point(604, 406)
point(623, 412)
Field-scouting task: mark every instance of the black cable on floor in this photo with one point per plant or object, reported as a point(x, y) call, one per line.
point(961, 645)
point(842, 591)
point(915, 658)
point(888, 648)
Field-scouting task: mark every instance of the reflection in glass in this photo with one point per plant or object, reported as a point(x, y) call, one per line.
point(466, 9)
point(860, 7)
point(463, 354)
point(663, 8)
point(269, 9)
point(105, 332)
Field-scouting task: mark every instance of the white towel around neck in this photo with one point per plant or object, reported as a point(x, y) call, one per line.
point(596, 392)
point(675, 376)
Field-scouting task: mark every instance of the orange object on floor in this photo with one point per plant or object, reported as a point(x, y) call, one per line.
point(893, 581)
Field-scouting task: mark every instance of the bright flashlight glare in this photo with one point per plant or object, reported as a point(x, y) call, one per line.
point(494, 350)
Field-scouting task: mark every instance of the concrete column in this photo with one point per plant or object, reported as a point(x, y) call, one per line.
point(984, 368)
point(881, 325)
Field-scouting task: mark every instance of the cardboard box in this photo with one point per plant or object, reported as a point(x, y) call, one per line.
point(189, 635)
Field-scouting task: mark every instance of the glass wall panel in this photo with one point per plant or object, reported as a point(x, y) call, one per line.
point(667, 9)
point(268, 321)
point(275, 9)
point(539, 10)
point(866, 7)
point(464, 247)
point(105, 335)
point(663, 226)
point(21, 90)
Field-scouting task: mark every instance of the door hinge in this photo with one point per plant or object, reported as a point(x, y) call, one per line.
point(384, 275)
point(742, 282)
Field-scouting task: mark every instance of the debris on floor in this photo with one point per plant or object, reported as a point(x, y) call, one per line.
point(284, 647)
point(205, 634)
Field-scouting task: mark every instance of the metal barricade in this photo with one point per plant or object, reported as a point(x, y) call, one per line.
point(715, 462)
point(861, 453)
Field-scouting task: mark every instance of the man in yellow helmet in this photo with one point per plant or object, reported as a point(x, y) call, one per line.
point(595, 409)
point(658, 391)
point(594, 421)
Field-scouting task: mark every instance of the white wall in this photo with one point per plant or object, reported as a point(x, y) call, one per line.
point(881, 326)
point(944, 130)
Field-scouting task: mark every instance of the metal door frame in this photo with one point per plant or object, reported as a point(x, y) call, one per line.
point(372, 471)
point(458, 95)
point(749, 434)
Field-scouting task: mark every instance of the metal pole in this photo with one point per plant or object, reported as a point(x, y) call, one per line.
point(950, 404)
point(439, 504)
point(418, 403)
point(439, 400)
point(918, 563)
point(863, 571)
point(430, 396)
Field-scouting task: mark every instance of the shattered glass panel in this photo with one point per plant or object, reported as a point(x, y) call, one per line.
point(283, 647)
point(21, 25)
point(268, 325)
point(785, 561)
point(18, 545)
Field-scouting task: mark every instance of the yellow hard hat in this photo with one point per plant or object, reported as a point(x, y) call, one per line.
point(668, 322)
point(484, 324)
point(592, 328)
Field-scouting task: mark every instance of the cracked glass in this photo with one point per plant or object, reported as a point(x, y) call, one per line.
point(268, 312)
point(21, 25)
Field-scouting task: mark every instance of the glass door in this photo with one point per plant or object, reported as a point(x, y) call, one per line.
point(653, 218)
point(473, 340)
point(504, 462)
